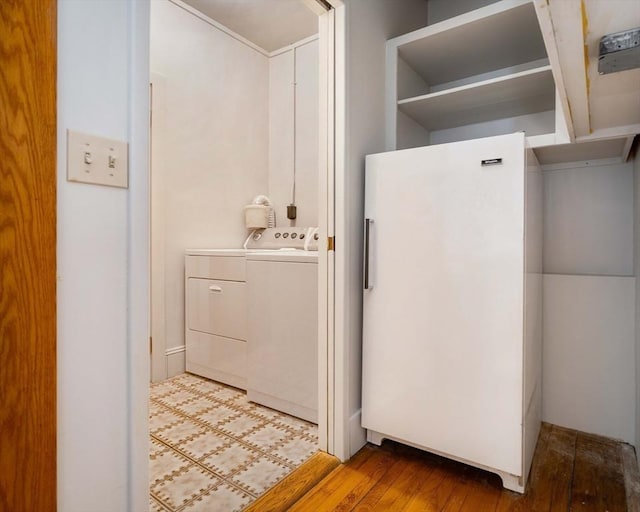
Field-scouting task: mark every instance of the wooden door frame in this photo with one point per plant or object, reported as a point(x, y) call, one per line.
point(28, 177)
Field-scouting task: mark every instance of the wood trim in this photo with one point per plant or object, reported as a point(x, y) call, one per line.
point(317, 7)
point(626, 149)
point(283, 495)
point(548, 35)
point(28, 254)
point(568, 19)
point(325, 50)
point(615, 132)
point(631, 473)
point(157, 209)
point(339, 383)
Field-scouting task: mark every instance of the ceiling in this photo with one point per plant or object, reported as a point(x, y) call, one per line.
point(270, 24)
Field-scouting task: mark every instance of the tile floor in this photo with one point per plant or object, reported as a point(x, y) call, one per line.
point(213, 450)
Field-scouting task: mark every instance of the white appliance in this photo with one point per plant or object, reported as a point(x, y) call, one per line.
point(452, 302)
point(216, 315)
point(282, 336)
point(216, 308)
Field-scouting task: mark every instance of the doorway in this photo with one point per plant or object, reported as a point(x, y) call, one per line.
point(182, 219)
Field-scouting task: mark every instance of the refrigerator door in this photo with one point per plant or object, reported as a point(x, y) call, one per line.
point(443, 314)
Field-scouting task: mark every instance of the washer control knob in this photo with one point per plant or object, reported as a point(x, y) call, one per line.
point(257, 236)
point(285, 235)
point(294, 235)
point(277, 235)
point(301, 236)
point(316, 236)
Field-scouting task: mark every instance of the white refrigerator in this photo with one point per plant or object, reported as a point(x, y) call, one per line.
point(452, 302)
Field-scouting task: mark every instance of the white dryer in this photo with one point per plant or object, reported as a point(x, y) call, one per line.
point(282, 335)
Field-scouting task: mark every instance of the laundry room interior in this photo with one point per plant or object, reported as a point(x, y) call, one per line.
point(234, 238)
point(241, 255)
point(231, 121)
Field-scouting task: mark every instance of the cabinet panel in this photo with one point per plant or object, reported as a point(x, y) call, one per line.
point(214, 357)
point(228, 268)
point(217, 307)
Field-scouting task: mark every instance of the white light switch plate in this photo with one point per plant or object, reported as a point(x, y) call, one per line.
point(97, 160)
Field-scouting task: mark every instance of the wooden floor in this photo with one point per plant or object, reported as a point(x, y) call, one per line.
point(296, 485)
point(571, 471)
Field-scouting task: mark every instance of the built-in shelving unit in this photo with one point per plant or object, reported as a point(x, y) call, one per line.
point(483, 73)
point(507, 96)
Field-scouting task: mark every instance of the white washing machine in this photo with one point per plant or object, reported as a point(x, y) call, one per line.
point(282, 335)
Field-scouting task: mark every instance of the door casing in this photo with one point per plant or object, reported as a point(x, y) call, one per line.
point(28, 115)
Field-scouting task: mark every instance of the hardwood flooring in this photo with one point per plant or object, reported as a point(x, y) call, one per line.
point(571, 471)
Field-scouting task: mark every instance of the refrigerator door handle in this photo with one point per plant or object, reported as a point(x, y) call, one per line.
point(367, 253)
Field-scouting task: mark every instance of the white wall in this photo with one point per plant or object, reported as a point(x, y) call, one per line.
point(307, 113)
point(213, 155)
point(281, 133)
point(589, 299)
point(369, 24)
point(96, 453)
point(440, 10)
point(589, 220)
point(588, 354)
point(222, 134)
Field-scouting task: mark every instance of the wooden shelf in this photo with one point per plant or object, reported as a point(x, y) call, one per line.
point(612, 150)
point(498, 36)
point(513, 95)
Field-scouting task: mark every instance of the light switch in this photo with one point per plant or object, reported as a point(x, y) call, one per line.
point(97, 160)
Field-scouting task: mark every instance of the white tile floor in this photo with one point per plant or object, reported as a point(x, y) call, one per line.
point(213, 450)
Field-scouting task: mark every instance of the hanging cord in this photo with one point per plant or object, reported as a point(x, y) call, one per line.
point(293, 190)
point(246, 242)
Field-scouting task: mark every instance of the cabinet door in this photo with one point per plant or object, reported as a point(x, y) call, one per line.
point(217, 307)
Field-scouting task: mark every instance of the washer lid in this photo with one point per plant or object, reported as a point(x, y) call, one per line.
point(284, 255)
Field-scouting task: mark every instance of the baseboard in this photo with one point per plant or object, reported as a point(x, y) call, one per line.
point(175, 350)
point(175, 361)
point(357, 434)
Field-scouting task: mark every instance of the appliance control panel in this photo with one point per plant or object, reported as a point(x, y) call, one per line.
point(284, 238)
